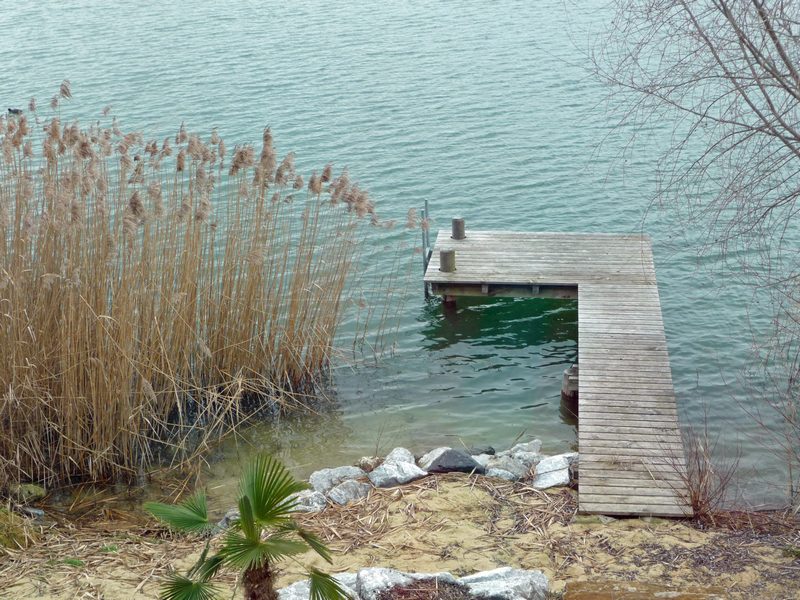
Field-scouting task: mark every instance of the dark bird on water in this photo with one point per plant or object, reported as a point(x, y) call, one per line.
point(15, 111)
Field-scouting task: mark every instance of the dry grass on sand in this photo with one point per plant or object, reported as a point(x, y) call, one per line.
point(453, 523)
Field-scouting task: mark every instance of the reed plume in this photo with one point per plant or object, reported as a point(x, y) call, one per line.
point(148, 300)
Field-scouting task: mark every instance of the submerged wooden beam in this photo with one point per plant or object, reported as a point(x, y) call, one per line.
point(632, 459)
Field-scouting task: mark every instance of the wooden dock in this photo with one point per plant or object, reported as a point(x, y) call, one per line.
point(632, 459)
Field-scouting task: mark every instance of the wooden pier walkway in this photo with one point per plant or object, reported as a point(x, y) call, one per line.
point(631, 454)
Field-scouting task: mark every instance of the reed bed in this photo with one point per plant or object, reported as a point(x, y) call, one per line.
point(153, 293)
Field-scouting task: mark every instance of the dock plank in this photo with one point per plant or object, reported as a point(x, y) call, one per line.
point(632, 456)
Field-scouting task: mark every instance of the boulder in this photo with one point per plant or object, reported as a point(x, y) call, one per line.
point(551, 471)
point(326, 479)
point(506, 583)
point(508, 463)
point(502, 474)
point(310, 501)
point(348, 491)
point(371, 582)
point(395, 473)
point(400, 455)
point(446, 460)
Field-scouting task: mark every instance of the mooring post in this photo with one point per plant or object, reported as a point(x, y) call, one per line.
point(458, 229)
point(447, 261)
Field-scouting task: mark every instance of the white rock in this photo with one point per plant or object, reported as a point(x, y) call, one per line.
point(502, 474)
point(510, 464)
point(529, 459)
point(390, 474)
point(325, 479)
point(552, 463)
point(371, 582)
point(533, 446)
point(310, 501)
point(552, 471)
point(572, 457)
point(400, 455)
point(482, 459)
point(302, 589)
point(506, 583)
point(348, 491)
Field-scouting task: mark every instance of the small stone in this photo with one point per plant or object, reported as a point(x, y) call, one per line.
point(605, 519)
point(25, 493)
point(229, 519)
point(32, 513)
point(325, 479)
point(502, 474)
point(586, 520)
point(310, 501)
point(369, 463)
point(400, 455)
point(510, 464)
point(390, 474)
point(348, 491)
point(447, 460)
point(506, 583)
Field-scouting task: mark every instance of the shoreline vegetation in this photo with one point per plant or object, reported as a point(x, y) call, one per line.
point(155, 294)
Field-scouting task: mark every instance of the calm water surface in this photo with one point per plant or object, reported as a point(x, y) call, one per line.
point(484, 109)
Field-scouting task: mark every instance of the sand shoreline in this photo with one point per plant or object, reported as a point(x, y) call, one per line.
point(451, 522)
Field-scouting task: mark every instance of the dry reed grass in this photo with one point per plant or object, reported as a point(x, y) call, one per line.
point(151, 292)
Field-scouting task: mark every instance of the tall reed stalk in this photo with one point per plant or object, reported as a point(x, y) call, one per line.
point(148, 289)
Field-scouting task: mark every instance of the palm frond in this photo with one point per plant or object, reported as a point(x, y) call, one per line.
point(246, 523)
point(190, 516)
point(244, 553)
point(309, 538)
point(325, 587)
point(206, 568)
point(270, 487)
point(180, 587)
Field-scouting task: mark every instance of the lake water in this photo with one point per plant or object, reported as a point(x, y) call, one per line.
point(486, 110)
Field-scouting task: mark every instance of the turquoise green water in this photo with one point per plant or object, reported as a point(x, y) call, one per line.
point(485, 110)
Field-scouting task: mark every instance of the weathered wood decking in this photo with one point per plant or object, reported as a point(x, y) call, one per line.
point(631, 453)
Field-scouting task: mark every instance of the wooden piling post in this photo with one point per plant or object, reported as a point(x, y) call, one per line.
point(447, 261)
point(569, 388)
point(458, 229)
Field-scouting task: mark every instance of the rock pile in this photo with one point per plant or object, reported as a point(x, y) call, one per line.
point(342, 485)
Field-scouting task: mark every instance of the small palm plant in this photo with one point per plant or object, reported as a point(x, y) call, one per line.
point(263, 534)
